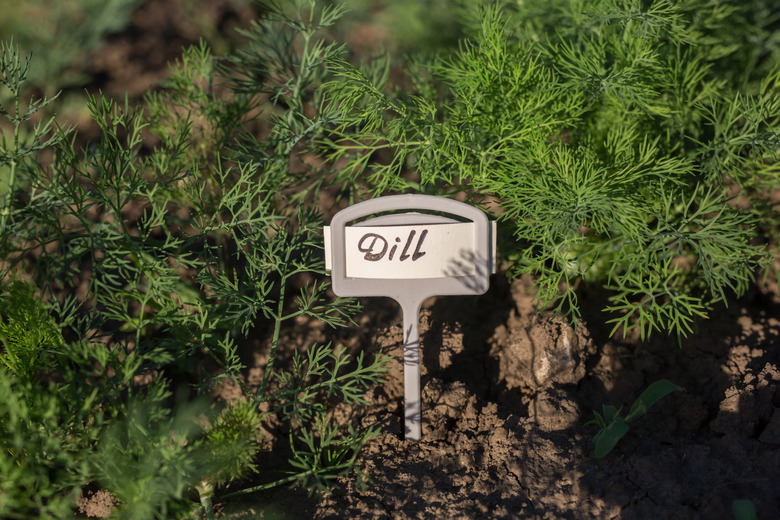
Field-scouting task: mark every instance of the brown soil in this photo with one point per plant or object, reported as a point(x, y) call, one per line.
point(99, 504)
point(506, 395)
point(133, 61)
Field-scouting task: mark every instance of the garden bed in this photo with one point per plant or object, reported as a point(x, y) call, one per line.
point(507, 392)
point(507, 389)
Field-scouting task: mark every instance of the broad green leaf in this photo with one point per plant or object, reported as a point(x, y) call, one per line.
point(610, 436)
point(610, 412)
point(744, 510)
point(598, 421)
point(650, 396)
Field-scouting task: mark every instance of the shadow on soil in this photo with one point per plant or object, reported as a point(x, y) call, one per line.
point(507, 392)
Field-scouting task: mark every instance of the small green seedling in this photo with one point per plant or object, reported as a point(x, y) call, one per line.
point(744, 509)
point(614, 427)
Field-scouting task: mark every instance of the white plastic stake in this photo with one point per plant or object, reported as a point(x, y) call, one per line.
point(411, 352)
point(410, 257)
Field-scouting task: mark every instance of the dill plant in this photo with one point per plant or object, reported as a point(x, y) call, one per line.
point(150, 255)
point(612, 135)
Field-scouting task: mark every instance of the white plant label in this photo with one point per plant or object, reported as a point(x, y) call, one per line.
point(405, 252)
point(410, 257)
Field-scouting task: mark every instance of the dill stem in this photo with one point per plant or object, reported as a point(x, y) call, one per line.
point(8, 197)
point(278, 319)
point(270, 485)
point(205, 492)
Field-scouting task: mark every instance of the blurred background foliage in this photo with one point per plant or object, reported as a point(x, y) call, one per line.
point(62, 34)
point(67, 37)
point(401, 26)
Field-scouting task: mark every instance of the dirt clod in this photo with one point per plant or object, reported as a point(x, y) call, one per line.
point(98, 504)
point(532, 353)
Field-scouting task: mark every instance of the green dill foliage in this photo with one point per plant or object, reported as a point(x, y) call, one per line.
point(169, 453)
point(48, 430)
point(282, 69)
point(26, 139)
point(143, 460)
point(27, 332)
point(326, 455)
point(613, 136)
point(41, 471)
point(297, 398)
point(402, 26)
point(163, 246)
point(230, 441)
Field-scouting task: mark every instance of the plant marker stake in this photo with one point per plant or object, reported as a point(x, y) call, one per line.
point(410, 257)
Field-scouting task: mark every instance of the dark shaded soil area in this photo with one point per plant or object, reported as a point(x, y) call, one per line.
point(504, 413)
point(506, 395)
point(133, 61)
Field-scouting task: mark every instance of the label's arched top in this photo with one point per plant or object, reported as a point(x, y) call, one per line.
point(418, 253)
